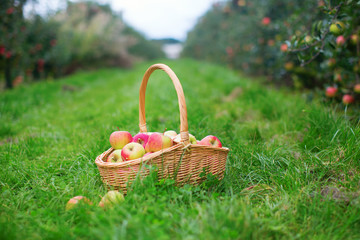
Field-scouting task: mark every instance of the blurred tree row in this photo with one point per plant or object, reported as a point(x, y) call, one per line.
point(84, 35)
point(301, 43)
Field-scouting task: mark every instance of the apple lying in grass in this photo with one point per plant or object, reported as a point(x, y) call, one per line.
point(141, 138)
point(132, 151)
point(119, 139)
point(115, 157)
point(73, 202)
point(111, 199)
point(158, 142)
point(192, 139)
point(170, 133)
point(211, 141)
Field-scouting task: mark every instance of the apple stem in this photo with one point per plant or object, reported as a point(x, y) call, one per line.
point(118, 128)
point(164, 131)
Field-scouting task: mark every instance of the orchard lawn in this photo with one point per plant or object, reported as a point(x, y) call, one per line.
point(292, 170)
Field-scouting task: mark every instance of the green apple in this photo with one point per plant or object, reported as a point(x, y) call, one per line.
point(337, 28)
point(111, 199)
point(170, 133)
point(192, 139)
point(132, 151)
point(115, 157)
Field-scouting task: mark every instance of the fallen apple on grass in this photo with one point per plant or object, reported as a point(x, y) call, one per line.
point(111, 199)
point(132, 151)
point(75, 201)
point(115, 156)
point(119, 139)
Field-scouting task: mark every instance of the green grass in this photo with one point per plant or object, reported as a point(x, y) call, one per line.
point(303, 158)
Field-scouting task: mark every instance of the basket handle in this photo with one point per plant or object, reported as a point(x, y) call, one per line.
point(181, 98)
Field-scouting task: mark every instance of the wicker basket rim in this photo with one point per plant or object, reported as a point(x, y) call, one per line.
point(99, 159)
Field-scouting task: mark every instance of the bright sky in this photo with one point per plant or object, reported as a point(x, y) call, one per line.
point(154, 18)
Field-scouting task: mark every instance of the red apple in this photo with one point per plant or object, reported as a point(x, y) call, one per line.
point(347, 99)
point(331, 92)
point(211, 141)
point(266, 21)
point(158, 142)
point(76, 200)
point(110, 199)
point(119, 139)
point(141, 138)
point(340, 40)
point(284, 47)
point(132, 151)
point(115, 157)
point(357, 88)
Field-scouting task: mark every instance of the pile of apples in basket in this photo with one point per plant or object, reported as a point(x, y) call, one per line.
point(128, 147)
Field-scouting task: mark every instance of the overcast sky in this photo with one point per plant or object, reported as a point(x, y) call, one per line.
point(154, 18)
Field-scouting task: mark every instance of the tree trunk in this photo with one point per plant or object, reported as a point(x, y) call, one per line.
point(9, 84)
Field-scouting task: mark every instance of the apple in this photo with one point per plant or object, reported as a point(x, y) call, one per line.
point(337, 77)
point(266, 21)
point(192, 139)
point(146, 154)
point(157, 142)
point(340, 40)
point(115, 157)
point(357, 88)
point(308, 39)
point(170, 133)
point(211, 141)
point(337, 28)
point(347, 99)
point(289, 66)
point(132, 151)
point(111, 199)
point(73, 202)
point(331, 92)
point(354, 39)
point(331, 62)
point(141, 138)
point(119, 139)
point(284, 47)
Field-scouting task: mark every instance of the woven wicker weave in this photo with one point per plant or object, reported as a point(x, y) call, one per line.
point(183, 162)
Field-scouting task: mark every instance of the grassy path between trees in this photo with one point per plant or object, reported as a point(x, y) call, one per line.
point(302, 159)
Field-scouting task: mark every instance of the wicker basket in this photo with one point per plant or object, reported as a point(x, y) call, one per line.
point(183, 162)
